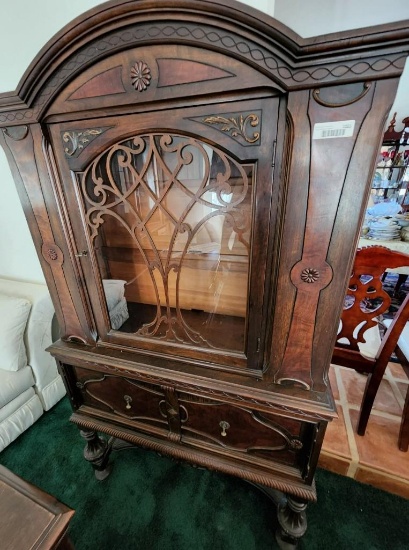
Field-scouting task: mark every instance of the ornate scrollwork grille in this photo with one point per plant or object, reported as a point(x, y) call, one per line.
point(176, 203)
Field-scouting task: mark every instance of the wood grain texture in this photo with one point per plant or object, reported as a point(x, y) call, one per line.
point(174, 72)
point(329, 161)
point(106, 83)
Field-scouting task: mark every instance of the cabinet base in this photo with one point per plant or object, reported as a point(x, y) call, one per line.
point(291, 510)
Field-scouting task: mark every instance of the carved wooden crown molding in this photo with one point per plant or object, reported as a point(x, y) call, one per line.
point(254, 38)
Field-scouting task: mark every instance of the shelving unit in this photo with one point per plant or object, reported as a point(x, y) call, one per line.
point(391, 178)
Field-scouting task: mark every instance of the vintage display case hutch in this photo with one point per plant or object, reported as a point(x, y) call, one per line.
point(193, 174)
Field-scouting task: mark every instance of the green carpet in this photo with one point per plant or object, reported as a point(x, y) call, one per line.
point(151, 502)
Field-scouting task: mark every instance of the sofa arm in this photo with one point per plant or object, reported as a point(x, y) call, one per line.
point(37, 338)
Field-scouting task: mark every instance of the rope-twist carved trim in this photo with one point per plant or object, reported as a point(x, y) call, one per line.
point(205, 34)
point(306, 493)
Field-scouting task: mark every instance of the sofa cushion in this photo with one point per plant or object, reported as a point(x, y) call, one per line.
point(14, 383)
point(13, 319)
point(22, 413)
point(16, 404)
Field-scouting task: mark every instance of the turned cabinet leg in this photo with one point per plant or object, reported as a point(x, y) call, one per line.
point(292, 519)
point(96, 452)
point(291, 514)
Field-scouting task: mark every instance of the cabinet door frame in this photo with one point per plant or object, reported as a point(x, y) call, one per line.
point(190, 122)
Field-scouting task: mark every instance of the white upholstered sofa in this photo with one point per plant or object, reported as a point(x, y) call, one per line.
point(29, 380)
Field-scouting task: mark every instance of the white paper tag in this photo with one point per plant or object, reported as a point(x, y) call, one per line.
point(327, 130)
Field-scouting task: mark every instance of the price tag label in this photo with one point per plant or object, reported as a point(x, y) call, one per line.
point(328, 130)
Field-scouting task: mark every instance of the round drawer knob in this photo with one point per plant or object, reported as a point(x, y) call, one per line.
point(128, 401)
point(224, 426)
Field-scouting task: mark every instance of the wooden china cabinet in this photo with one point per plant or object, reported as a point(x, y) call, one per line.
point(194, 174)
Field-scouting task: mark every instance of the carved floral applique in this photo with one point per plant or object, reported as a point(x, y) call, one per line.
point(140, 76)
point(236, 125)
point(310, 275)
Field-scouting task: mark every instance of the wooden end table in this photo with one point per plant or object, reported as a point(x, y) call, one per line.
point(30, 518)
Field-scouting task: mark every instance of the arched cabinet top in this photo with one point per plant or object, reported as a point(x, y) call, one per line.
point(224, 27)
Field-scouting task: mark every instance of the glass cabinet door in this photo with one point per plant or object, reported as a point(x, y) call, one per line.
point(167, 219)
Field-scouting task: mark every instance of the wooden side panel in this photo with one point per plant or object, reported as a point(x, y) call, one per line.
point(26, 151)
point(328, 185)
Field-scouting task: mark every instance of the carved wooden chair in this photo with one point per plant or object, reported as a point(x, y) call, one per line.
point(361, 342)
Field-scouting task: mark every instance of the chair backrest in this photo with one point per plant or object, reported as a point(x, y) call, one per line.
point(365, 301)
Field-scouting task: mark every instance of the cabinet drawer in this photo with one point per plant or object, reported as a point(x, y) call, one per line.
point(129, 400)
point(244, 430)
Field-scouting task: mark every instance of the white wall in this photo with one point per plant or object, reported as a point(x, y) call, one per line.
point(314, 17)
point(24, 33)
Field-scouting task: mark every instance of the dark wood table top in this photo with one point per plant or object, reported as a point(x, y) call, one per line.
point(29, 517)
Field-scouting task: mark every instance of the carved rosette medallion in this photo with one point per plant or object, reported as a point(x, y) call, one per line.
point(140, 76)
point(310, 275)
point(302, 275)
point(236, 126)
point(52, 254)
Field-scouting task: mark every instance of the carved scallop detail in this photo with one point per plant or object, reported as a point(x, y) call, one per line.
point(320, 101)
point(17, 133)
point(140, 76)
point(304, 492)
point(310, 275)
